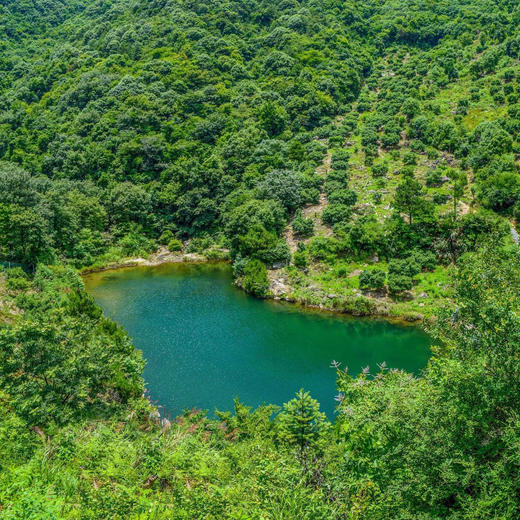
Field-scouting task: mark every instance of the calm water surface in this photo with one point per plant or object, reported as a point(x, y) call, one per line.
point(206, 342)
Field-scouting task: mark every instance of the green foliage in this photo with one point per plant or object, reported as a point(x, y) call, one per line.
point(372, 279)
point(263, 245)
point(124, 125)
point(399, 283)
point(455, 428)
point(300, 259)
point(301, 425)
point(166, 237)
point(408, 198)
point(63, 360)
point(380, 169)
point(303, 227)
point(175, 245)
point(255, 278)
point(401, 274)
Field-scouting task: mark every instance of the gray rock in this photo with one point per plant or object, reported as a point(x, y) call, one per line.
point(165, 424)
point(154, 416)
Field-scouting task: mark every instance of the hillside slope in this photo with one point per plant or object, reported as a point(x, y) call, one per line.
point(355, 155)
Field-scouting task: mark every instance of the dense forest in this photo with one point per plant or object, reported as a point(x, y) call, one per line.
point(363, 154)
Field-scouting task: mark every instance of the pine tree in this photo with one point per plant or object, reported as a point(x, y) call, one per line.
point(301, 424)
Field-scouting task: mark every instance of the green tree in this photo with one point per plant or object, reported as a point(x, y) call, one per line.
point(302, 425)
point(273, 118)
point(459, 182)
point(408, 198)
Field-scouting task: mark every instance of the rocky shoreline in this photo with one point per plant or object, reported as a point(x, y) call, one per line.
point(361, 305)
point(162, 256)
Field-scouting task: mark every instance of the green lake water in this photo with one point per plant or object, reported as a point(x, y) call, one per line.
point(206, 342)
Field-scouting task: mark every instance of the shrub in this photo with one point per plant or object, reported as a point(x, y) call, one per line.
point(17, 283)
point(15, 273)
point(407, 171)
point(434, 178)
point(199, 245)
point(398, 283)
point(303, 227)
point(380, 169)
point(345, 196)
point(300, 259)
point(425, 259)
point(134, 243)
point(417, 146)
point(255, 278)
point(175, 245)
point(410, 158)
point(238, 265)
point(389, 140)
point(372, 279)
point(336, 214)
point(406, 267)
point(323, 248)
point(166, 237)
point(401, 273)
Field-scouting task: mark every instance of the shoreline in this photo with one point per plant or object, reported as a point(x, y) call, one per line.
point(160, 257)
point(344, 307)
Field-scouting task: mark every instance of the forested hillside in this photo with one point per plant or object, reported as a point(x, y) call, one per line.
point(391, 125)
point(356, 155)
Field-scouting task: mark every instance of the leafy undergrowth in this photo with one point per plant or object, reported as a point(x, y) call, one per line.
point(337, 288)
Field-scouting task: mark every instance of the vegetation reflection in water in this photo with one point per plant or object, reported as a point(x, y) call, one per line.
point(206, 342)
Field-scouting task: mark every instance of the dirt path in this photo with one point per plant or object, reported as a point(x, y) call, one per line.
point(514, 233)
point(313, 211)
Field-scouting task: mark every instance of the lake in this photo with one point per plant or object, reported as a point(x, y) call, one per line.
point(206, 342)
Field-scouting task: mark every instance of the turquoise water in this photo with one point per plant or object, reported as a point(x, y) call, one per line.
point(206, 341)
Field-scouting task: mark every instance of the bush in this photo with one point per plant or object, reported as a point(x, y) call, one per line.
point(336, 214)
point(345, 197)
point(199, 245)
point(398, 283)
point(255, 278)
point(166, 237)
point(407, 171)
point(17, 283)
point(372, 279)
point(303, 227)
point(406, 267)
point(133, 244)
point(434, 178)
point(16, 273)
point(238, 265)
point(425, 259)
point(410, 158)
point(264, 245)
point(417, 146)
point(300, 259)
point(174, 245)
point(323, 248)
point(389, 140)
point(380, 169)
